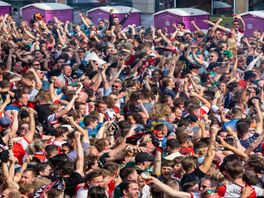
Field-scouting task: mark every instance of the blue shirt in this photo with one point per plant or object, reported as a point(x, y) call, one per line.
point(231, 124)
point(246, 143)
point(92, 132)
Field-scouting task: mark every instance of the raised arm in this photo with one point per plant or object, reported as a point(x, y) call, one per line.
point(122, 22)
point(234, 69)
point(122, 67)
point(198, 60)
point(204, 167)
point(173, 64)
point(79, 128)
point(9, 59)
point(201, 98)
point(175, 33)
point(164, 37)
point(104, 80)
point(7, 178)
point(233, 149)
point(14, 127)
point(253, 63)
point(157, 163)
point(195, 26)
point(187, 56)
point(83, 18)
point(80, 153)
point(67, 108)
point(216, 25)
point(168, 190)
point(243, 27)
point(259, 127)
point(38, 81)
point(254, 144)
point(7, 101)
point(18, 174)
point(32, 125)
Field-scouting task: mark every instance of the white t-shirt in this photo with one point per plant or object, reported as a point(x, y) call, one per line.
point(82, 192)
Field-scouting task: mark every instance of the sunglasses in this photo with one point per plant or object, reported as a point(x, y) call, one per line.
point(209, 192)
point(115, 86)
point(36, 64)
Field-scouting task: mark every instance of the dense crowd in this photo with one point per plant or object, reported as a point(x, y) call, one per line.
point(104, 110)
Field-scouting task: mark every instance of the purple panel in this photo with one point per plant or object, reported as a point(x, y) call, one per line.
point(96, 15)
point(166, 20)
point(28, 13)
point(198, 20)
point(253, 23)
point(62, 15)
point(5, 10)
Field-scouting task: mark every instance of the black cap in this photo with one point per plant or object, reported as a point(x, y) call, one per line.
point(249, 74)
point(193, 66)
point(213, 65)
point(143, 157)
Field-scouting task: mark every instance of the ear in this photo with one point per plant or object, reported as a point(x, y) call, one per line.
point(124, 192)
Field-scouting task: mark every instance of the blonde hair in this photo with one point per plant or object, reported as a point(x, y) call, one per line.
point(160, 111)
point(39, 182)
point(36, 146)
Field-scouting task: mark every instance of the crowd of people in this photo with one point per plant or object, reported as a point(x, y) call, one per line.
point(106, 111)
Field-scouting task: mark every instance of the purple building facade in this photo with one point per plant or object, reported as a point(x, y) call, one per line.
point(166, 18)
point(5, 8)
point(103, 12)
point(48, 11)
point(254, 21)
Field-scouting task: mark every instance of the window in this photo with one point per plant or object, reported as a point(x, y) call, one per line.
point(199, 4)
point(256, 5)
point(223, 7)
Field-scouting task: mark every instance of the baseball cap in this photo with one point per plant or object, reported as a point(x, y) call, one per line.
point(249, 74)
point(5, 121)
point(143, 157)
point(213, 65)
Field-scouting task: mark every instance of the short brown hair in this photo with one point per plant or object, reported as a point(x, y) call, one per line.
point(234, 169)
point(190, 162)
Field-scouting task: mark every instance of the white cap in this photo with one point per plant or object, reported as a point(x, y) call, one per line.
point(93, 56)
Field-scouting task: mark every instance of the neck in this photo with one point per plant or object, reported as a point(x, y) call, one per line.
point(141, 166)
point(59, 138)
point(174, 151)
point(239, 181)
point(245, 136)
point(190, 171)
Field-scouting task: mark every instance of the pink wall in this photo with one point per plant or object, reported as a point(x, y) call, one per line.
point(63, 15)
point(5, 10)
point(166, 19)
point(253, 23)
point(28, 13)
point(198, 20)
point(134, 18)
